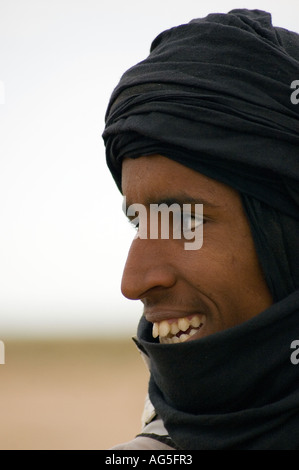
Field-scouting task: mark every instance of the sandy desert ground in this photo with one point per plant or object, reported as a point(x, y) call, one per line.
point(70, 394)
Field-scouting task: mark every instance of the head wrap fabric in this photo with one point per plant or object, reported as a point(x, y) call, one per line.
point(215, 95)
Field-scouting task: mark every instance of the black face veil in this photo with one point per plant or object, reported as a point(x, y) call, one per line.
point(215, 95)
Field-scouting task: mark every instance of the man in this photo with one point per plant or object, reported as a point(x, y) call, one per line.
point(208, 119)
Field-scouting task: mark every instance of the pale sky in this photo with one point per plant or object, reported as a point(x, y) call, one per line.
point(63, 236)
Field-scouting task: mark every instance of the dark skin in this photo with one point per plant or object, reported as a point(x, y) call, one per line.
point(222, 281)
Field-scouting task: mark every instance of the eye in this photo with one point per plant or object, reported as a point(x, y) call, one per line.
point(191, 222)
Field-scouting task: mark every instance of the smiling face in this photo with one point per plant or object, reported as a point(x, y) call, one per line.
point(190, 294)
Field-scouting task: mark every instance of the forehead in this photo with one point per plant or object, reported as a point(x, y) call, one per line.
point(149, 179)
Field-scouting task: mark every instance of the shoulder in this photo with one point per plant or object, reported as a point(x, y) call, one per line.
point(153, 437)
point(143, 443)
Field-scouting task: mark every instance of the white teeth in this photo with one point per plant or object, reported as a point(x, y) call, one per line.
point(174, 329)
point(155, 331)
point(183, 338)
point(195, 321)
point(164, 328)
point(172, 340)
point(168, 330)
point(183, 324)
point(193, 331)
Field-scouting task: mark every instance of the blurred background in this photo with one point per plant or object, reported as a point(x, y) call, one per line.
point(72, 377)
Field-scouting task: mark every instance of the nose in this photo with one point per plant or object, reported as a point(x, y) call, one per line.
point(149, 265)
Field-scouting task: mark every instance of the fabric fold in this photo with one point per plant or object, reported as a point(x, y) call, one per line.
point(240, 386)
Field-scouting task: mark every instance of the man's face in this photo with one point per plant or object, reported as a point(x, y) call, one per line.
point(189, 294)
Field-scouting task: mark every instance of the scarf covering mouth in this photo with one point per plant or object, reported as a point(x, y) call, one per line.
point(215, 95)
point(233, 390)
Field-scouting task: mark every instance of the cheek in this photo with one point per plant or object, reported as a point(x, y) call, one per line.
point(225, 270)
point(206, 269)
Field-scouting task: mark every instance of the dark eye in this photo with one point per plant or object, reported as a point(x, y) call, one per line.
point(190, 221)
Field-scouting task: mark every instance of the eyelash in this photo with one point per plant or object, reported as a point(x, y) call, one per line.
point(135, 224)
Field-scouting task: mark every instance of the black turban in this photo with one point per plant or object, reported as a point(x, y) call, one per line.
point(215, 95)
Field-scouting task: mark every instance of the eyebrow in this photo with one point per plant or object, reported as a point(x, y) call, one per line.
point(179, 199)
